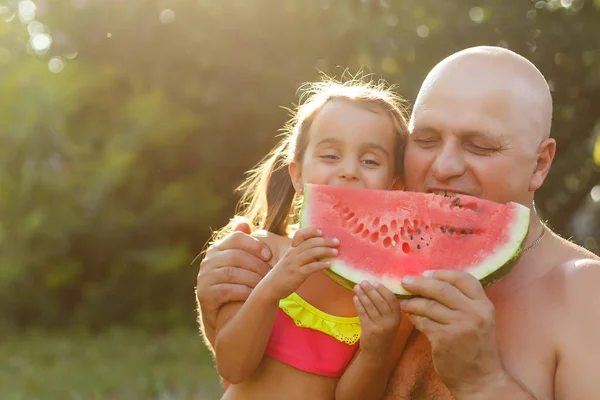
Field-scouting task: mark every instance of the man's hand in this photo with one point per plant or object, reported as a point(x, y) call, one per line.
point(229, 272)
point(456, 316)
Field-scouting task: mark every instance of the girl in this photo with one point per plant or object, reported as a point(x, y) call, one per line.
point(297, 335)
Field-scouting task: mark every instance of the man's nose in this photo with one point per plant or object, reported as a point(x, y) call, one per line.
point(448, 163)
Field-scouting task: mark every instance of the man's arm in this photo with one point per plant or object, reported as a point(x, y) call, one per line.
point(228, 272)
point(457, 317)
point(577, 375)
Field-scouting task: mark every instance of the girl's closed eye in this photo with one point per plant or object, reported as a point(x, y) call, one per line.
point(369, 162)
point(329, 157)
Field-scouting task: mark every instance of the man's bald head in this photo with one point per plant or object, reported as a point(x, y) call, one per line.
point(481, 126)
point(506, 79)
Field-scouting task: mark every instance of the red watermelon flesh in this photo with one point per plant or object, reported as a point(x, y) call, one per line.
point(386, 235)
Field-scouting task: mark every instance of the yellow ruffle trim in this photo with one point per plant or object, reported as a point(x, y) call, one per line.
point(344, 329)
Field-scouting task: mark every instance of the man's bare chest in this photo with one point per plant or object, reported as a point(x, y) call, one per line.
point(526, 349)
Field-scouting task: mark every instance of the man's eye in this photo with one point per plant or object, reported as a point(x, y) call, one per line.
point(478, 149)
point(427, 142)
point(329, 157)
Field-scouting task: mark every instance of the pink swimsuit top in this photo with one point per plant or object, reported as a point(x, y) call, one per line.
point(310, 340)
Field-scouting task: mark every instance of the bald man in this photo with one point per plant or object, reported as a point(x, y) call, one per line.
point(480, 126)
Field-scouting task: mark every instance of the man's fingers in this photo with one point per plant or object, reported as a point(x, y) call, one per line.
point(242, 241)
point(428, 308)
point(243, 227)
point(443, 292)
point(229, 292)
point(236, 276)
point(424, 324)
point(464, 281)
point(239, 258)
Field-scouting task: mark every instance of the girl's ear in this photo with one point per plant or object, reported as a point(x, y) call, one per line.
point(398, 184)
point(296, 175)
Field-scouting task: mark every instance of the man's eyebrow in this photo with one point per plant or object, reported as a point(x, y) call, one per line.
point(424, 129)
point(475, 133)
point(464, 133)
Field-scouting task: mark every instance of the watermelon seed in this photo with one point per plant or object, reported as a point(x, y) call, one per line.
point(357, 230)
point(451, 230)
point(396, 239)
point(410, 237)
point(418, 247)
point(365, 233)
point(349, 216)
point(394, 225)
point(376, 222)
point(384, 229)
point(405, 248)
point(418, 231)
point(374, 237)
point(443, 229)
point(422, 239)
point(387, 242)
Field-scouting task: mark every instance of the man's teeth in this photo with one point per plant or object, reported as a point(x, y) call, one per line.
point(442, 193)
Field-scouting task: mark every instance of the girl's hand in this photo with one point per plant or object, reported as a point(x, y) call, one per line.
point(300, 261)
point(379, 314)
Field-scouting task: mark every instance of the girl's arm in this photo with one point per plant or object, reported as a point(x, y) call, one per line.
point(242, 332)
point(382, 340)
point(243, 329)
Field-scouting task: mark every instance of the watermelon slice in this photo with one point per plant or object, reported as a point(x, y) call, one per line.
point(386, 235)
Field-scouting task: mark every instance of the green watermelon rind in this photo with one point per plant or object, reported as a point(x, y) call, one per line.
point(494, 268)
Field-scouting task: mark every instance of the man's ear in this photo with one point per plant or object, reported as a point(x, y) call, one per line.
point(546, 153)
point(296, 175)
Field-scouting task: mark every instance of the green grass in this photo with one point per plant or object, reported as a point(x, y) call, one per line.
point(116, 365)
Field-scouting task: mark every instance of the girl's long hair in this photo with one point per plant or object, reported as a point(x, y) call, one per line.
point(269, 201)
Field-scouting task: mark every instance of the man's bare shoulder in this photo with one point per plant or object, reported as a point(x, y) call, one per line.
point(581, 278)
point(578, 316)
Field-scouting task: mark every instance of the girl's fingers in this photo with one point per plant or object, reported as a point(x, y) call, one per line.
point(367, 303)
point(360, 310)
point(314, 254)
point(303, 235)
point(316, 266)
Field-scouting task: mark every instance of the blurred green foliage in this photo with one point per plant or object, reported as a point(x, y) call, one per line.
point(114, 365)
point(126, 125)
